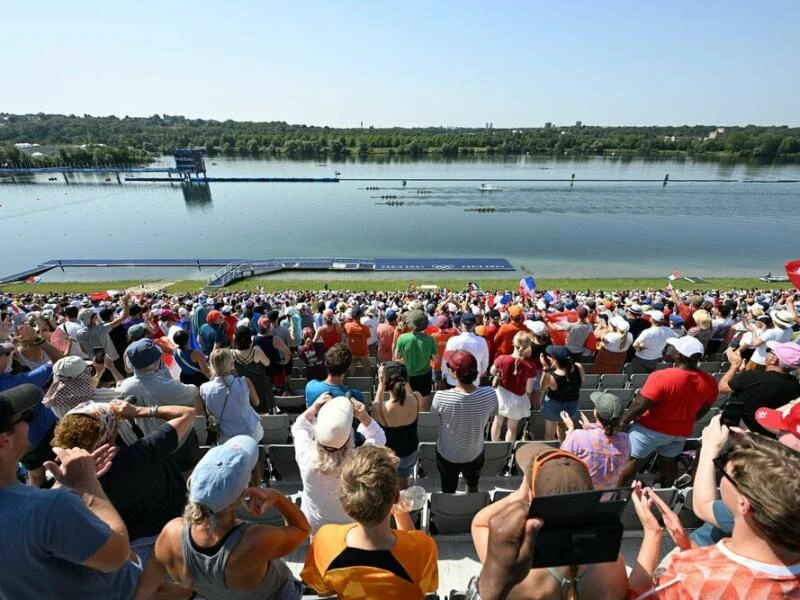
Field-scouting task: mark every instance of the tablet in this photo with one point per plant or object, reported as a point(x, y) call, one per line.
point(579, 528)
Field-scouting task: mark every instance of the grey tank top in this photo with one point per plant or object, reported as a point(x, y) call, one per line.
point(208, 572)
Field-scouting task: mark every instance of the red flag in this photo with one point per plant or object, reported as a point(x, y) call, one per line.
point(793, 271)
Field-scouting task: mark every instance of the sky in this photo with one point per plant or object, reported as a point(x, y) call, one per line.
point(443, 63)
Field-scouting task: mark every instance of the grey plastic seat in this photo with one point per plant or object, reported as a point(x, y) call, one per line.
point(686, 514)
point(453, 513)
point(277, 429)
point(536, 425)
point(590, 381)
point(585, 399)
point(710, 366)
point(637, 380)
point(496, 455)
point(282, 463)
point(428, 426)
point(613, 380)
point(624, 394)
point(426, 462)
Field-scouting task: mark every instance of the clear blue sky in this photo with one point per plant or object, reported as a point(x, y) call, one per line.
point(338, 63)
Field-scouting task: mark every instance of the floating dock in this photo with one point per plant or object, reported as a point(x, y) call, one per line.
point(236, 269)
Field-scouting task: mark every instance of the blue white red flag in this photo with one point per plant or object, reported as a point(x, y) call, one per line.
point(527, 286)
point(551, 296)
point(674, 275)
point(504, 299)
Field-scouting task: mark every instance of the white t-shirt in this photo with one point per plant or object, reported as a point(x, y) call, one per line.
point(773, 334)
point(475, 345)
point(614, 342)
point(372, 323)
point(652, 341)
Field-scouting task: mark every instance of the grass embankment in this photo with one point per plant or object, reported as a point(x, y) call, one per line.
point(274, 285)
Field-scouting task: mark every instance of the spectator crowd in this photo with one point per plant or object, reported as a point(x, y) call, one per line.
point(133, 457)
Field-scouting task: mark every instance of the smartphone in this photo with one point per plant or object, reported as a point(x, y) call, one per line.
point(732, 414)
point(99, 355)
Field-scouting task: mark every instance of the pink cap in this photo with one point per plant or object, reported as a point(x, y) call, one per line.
point(788, 353)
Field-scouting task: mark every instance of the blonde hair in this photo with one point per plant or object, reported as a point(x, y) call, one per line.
point(702, 319)
point(522, 348)
point(326, 461)
point(766, 472)
point(368, 484)
point(195, 513)
point(221, 362)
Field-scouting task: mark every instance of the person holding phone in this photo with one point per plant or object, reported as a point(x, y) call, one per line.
point(549, 471)
point(773, 387)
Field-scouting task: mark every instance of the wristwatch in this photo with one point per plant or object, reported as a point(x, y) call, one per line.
point(472, 590)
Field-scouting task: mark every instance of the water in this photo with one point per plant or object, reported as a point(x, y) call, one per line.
point(593, 229)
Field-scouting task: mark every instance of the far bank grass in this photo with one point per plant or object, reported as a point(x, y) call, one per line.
point(276, 285)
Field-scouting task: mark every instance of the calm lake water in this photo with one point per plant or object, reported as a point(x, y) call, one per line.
point(592, 229)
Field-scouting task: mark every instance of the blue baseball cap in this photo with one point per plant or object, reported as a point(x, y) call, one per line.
point(676, 319)
point(559, 353)
point(223, 473)
point(143, 353)
point(391, 315)
point(467, 318)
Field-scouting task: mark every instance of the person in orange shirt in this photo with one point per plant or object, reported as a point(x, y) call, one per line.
point(368, 559)
point(358, 338)
point(386, 337)
point(490, 330)
point(441, 335)
point(504, 339)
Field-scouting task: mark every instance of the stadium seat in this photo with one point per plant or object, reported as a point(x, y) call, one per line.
point(536, 425)
point(496, 457)
point(710, 366)
point(613, 380)
point(686, 514)
point(637, 381)
point(271, 517)
point(298, 384)
point(724, 366)
point(587, 368)
point(585, 399)
point(457, 595)
point(426, 462)
point(590, 382)
point(428, 426)
point(626, 368)
point(717, 356)
point(630, 521)
point(500, 494)
point(717, 376)
point(291, 404)
point(276, 429)
point(624, 394)
point(663, 365)
point(360, 383)
point(283, 466)
point(453, 513)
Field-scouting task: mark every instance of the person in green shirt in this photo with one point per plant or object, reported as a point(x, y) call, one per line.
point(416, 350)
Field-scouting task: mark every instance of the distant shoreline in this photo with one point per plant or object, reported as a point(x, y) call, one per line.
point(362, 284)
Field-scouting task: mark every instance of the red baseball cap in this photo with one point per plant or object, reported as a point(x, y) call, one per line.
point(460, 361)
point(213, 316)
point(776, 420)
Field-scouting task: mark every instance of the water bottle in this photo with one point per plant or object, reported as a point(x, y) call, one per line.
point(412, 498)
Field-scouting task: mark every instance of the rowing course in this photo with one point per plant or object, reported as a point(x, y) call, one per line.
point(279, 264)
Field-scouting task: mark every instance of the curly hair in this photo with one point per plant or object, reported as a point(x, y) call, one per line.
point(77, 431)
point(338, 359)
point(766, 473)
point(368, 484)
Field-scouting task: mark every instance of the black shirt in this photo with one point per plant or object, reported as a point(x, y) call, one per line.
point(638, 325)
point(762, 388)
point(144, 484)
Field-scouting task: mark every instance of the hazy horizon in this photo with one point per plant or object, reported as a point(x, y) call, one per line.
point(452, 64)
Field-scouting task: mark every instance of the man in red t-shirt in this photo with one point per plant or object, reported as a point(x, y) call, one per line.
point(385, 335)
point(663, 415)
point(490, 330)
point(358, 338)
point(504, 338)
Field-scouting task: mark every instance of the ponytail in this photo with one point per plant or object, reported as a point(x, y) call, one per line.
point(399, 391)
point(609, 427)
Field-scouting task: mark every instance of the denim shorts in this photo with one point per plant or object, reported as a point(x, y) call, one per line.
point(406, 466)
point(551, 410)
point(645, 442)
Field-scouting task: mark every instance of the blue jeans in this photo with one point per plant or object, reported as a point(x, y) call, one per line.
point(551, 410)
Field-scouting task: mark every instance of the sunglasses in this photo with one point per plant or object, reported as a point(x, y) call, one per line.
point(720, 463)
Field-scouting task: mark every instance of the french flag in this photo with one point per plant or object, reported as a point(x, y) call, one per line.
point(527, 286)
point(674, 275)
point(504, 299)
point(551, 296)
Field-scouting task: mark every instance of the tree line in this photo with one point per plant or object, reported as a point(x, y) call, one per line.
point(129, 140)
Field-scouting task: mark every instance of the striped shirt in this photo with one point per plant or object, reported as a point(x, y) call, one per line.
point(463, 422)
